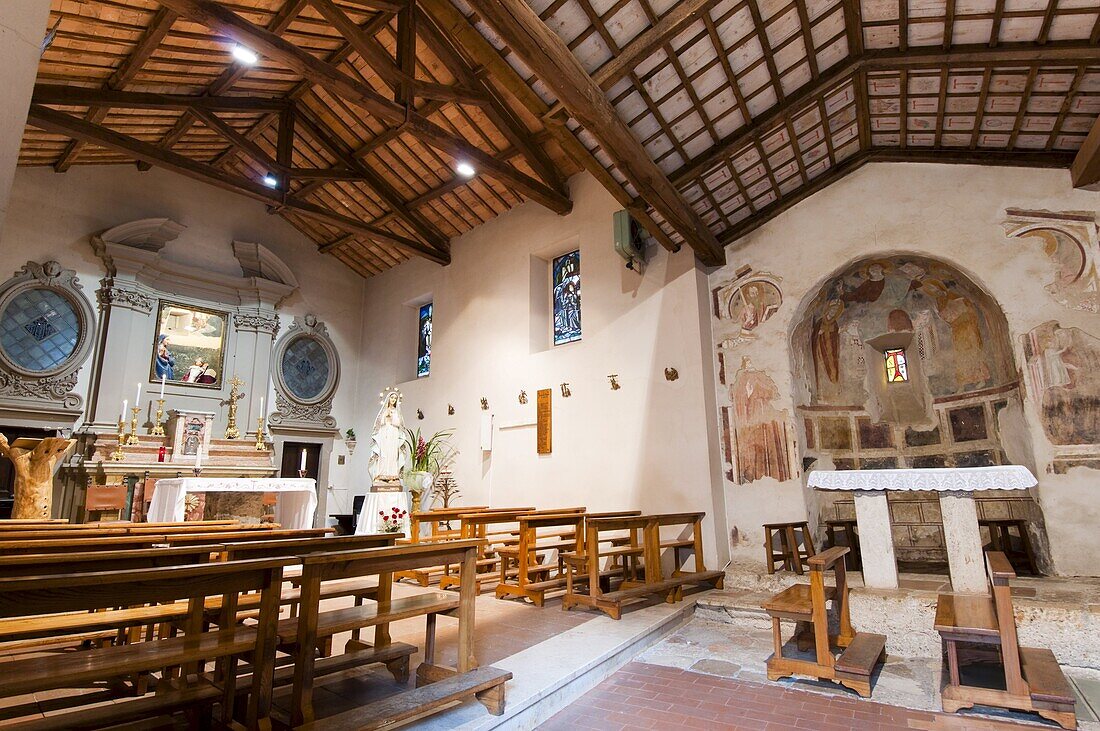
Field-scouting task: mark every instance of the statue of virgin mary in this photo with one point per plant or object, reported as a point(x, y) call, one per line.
point(388, 449)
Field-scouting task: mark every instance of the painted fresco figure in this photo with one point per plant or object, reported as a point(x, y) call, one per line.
point(962, 316)
point(760, 434)
point(826, 343)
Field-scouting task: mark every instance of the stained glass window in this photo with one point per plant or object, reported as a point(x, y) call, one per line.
point(567, 297)
point(306, 368)
point(897, 371)
point(424, 341)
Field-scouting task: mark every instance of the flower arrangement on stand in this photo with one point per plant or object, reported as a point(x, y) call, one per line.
point(395, 521)
point(427, 457)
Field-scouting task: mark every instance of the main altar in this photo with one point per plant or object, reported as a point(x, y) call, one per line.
point(295, 498)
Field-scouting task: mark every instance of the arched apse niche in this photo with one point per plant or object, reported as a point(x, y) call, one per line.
point(904, 361)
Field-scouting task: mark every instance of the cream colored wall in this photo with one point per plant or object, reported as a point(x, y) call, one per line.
point(645, 446)
point(52, 216)
point(953, 213)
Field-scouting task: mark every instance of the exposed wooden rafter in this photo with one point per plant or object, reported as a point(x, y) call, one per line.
point(54, 121)
point(549, 57)
point(1085, 169)
point(224, 21)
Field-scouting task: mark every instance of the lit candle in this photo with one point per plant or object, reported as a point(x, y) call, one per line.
point(162, 379)
point(303, 465)
point(125, 403)
point(261, 406)
point(137, 399)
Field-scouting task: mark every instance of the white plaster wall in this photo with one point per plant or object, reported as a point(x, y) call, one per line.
point(646, 446)
point(951, 212)
point(52, 216)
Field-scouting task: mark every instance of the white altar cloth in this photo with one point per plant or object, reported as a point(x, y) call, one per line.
point(940, 479)
point(382, 502)
point(296, 498)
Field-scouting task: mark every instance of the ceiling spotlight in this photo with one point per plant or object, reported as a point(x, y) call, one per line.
point(245, 55)
point(465, 169)
point(271, 181)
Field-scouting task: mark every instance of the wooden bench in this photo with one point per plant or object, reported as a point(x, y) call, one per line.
point(195, 687)
point(439, 522)
point(790, 556)
point(862, 651)
point(1032, 679)
point(134, 529)
point(651, 549)
point(267, 534)
point(531, 578)
point(299, 636)
point(99, 543)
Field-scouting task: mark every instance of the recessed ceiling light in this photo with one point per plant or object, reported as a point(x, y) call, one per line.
point(465, 169)
point(245, 55)
point(271, 181)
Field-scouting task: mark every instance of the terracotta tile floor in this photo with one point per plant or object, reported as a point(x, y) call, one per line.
point(643, 696)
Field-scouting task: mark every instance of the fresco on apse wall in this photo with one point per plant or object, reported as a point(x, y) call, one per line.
point(1064, 369)
point(743, 304)
point(1069, 239)
point(760, 440)
point(940, 408)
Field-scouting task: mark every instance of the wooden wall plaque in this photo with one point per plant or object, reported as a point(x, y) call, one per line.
point(544, 422)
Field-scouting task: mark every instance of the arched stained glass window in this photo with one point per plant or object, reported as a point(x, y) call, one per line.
point(566, 273)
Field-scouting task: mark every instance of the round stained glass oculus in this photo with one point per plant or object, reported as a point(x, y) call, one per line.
point(39, 330)
point(306, 368)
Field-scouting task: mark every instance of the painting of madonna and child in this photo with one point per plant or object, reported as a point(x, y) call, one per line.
point(189, 348)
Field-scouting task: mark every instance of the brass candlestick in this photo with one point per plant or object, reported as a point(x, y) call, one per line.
point(117, 455)
point(132, 437)
point(261, 442)
point(158, 423)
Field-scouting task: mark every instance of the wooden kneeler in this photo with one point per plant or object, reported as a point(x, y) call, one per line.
point(862, 651)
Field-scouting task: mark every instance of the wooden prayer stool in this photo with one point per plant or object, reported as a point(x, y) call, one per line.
point(854, 560)
point(101, 501)
point(791, 556)
point(1000, 539)
point(1033, 680)
point(803, 603)
point(522, 570)
point(440, 529)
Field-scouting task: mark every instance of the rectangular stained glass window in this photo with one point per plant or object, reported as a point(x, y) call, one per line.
point(897, 371)
point(566, 271)
point(424, 341)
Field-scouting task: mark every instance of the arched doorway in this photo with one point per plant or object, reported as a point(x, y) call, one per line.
point(904, 361)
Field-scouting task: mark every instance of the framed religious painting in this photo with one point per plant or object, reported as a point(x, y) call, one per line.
point(189, 347)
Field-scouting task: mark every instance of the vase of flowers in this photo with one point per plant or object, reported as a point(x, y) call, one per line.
point(426, 458)
point(393, 521)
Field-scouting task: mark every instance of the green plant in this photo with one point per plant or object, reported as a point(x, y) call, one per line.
point(430, 455)
point(349, 434)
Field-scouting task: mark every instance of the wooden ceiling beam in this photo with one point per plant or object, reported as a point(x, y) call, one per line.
point(453, 24)
point(127, 70)
point(386, 192)
point(1085, 169)
point(551, 60)
point(84, 96)
point(395, 76)
point(225, 22)
point(234, 137)
point(57, 122)
point(495, 109)
point(682, 14)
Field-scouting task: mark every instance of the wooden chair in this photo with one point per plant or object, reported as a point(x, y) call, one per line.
point(445, 685)
point(790, 556)
point(195, 687)
point(1000, 539)
point(522, 570)
point(1032, 679)
point(806, 604)
point(854, 560)
point(100, 499)
point(651, 549)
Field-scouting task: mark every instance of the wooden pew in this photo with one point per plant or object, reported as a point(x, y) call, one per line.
point(437, 685)
point(531, 578)
point(1033, 680)
point(245, 536)
point(103, 590)
point(496, 528)
point(439, 521)
point(32, 521)
point(101, 543)
point(135, 529)
point(652, 546)
point(862, 651)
